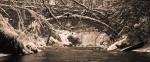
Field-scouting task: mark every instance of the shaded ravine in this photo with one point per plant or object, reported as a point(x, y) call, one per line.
point(25, 34)
point(19, 29)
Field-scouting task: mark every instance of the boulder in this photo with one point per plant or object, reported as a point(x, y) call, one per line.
point(114, 46)
point(73, 38)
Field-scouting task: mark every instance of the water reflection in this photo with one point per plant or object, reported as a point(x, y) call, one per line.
point(79, 55)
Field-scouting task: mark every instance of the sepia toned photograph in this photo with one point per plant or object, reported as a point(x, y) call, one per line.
point(74, 30)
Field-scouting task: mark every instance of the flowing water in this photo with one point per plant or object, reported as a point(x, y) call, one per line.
point(79, 54)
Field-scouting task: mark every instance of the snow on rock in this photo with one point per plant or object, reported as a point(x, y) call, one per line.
point(63, 35)
point(114, 46)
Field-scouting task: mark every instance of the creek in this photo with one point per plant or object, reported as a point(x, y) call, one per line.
point(79, 54)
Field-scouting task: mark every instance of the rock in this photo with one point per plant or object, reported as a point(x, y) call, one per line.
point(63, 34)
point(114, 46)
point(73, 38)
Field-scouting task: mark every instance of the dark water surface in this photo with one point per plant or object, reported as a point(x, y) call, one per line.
point(78, 54)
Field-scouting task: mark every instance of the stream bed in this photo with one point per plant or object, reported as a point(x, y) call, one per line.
point(79, 54)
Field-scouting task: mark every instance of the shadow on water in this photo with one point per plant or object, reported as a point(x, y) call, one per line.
point(11, 59)
point(79, 55)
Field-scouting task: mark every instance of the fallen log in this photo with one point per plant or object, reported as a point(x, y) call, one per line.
point(132, 47)
point(86, 19)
